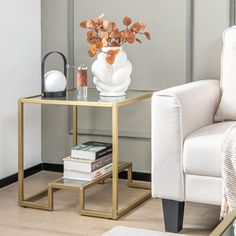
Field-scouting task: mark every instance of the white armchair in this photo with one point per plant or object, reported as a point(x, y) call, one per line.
point(186, 148)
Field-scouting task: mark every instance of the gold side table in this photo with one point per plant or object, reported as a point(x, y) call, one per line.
point(93, 100)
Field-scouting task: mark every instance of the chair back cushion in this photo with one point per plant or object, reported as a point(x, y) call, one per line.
point(227, 106)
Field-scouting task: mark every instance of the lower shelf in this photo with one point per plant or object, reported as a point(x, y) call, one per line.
point(72, 184)
point(82, 186)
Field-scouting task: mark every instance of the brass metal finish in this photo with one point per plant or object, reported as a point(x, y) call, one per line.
point(82, 186)
point(20, 152)
point(71, 103)
point(115, 161)
point(129, 176)
point(100, 214)
point(50, 197)
point(75, 125)
point(35, 205)
point(81, 200)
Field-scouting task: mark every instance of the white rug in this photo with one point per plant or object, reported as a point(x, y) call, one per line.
point(124, 231)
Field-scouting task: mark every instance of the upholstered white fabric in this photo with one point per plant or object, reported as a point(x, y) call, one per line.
point(203, 189)
point(227, 107)
point(198, 101)
point(177, 112)
point(202, 150)
point(167, 173)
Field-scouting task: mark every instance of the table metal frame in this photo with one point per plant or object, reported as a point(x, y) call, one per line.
point(223, 226)
point(116, 167)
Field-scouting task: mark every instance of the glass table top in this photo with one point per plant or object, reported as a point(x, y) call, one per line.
point(93, 98)
point(71, 182)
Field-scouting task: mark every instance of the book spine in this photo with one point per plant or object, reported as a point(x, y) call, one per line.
point(102, 153)
point(101, 171)
point(73, 174)
point(103, 161)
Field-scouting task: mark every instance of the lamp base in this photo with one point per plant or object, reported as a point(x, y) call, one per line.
point(60, 94)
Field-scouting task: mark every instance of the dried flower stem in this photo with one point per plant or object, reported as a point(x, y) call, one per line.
point(106, 34)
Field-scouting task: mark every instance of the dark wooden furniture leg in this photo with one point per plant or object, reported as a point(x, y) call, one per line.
point(173, 215)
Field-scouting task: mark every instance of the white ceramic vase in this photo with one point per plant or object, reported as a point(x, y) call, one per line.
point(112, 80)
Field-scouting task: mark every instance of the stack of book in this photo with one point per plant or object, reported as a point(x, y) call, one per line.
point(88, 161)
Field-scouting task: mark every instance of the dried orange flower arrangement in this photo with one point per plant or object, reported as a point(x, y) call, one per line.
point(103, 33)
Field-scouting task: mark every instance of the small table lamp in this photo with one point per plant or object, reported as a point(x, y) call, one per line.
point(53, 82)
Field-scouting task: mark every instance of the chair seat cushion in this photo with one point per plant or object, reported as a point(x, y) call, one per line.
point(202, 150)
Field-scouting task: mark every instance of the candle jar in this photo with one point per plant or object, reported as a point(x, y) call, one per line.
point(81, 78)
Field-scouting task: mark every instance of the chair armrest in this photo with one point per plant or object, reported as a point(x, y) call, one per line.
point(176, 112)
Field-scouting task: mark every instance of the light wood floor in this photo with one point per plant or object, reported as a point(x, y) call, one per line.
point(65, 220)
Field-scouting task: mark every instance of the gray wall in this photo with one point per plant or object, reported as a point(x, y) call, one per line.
point(211, 17)
point(20, 56)
point(157, 64)
point(151, 60)
point(54, 37)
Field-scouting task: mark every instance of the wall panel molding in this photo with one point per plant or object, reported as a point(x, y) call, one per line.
point(70, 28)
point(71, 51)
point(189, 40)
point(231, 9)
point(190, 33)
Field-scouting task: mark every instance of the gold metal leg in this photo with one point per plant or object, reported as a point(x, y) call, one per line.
point(75, 125)
point(130, 177)
point(81, 200)
point(20, 152)
point(29, 202)
point(115, 161)
point(50, 197)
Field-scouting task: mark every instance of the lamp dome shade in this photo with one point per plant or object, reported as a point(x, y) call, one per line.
point(54, 81)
